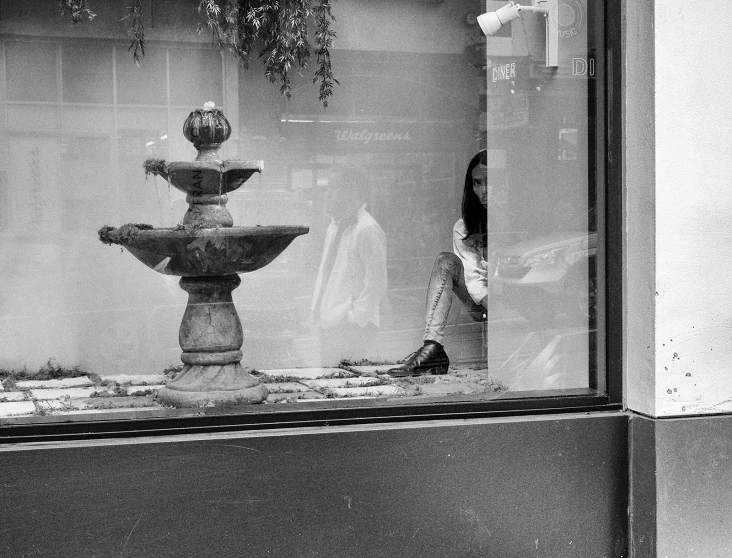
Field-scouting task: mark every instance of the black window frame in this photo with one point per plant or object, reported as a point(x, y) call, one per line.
point(608, 133)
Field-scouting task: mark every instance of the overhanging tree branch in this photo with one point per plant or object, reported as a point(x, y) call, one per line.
point(279, 27)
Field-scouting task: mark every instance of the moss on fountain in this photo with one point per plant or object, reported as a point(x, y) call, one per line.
point(189, 227)
point(122, 235)
point(157, 167)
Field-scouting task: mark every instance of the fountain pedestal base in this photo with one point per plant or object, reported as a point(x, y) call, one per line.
point(213, 386)
point(211, 338)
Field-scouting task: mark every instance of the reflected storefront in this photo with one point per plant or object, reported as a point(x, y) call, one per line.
point(583, 409)
point(447, 166)
point(412, 135)
point(410, 112)
point(546, 240)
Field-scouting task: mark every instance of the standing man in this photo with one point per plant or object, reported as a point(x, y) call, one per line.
point(351, 281)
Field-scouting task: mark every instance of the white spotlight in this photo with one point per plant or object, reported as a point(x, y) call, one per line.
point(491, 22)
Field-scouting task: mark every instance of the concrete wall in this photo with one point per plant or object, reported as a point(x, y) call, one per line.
point(639, 191)
point(679, 315)
point(693, 205)
point(681, 479)
point(677, 293)
point(553, 486)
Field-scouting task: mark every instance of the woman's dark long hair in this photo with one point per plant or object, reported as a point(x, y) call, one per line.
point(475, 215)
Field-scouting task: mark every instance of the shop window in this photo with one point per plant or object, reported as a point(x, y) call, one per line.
point(31, 71)
point(456, 191)
point(84, 161)
point(143, 84)
point(87, 74)
point(3, 200)
point(207, 65)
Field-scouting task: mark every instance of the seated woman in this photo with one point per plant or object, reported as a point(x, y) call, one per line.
point(464, 273)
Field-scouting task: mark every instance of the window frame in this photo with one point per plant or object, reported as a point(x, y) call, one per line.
point(608, 135)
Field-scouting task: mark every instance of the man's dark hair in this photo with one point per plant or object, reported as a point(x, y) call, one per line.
point(474, 213)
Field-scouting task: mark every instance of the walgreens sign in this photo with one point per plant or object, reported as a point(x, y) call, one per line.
point(365, 136)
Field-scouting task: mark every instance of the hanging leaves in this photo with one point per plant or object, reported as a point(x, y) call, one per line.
point(278, 28)
point(324, 36)
point(78, 10)
point(137, 31)
point(281, 28)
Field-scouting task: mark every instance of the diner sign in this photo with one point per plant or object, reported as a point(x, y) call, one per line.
point(506, 74)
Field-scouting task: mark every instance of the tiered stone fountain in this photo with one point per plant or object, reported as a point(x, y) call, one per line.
point(208, 252)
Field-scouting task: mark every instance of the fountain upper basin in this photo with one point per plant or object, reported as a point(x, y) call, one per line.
point(210, 252)
point(208, 177)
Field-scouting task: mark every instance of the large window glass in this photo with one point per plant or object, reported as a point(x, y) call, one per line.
point(435, 235)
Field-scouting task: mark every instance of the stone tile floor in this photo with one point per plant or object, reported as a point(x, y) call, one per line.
point(90, 394)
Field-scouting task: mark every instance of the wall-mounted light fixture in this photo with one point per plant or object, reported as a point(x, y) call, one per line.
point(491, 22)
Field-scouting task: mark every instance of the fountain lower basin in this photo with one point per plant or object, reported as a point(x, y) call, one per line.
point(210, 252)
point(209, 261)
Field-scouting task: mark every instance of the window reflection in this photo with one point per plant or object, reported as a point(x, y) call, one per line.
point(411, 112)
point(539, 121)
point(145, 84)
point(464, 273)
point(87, 74)
point(351, 282)
point(30, 68)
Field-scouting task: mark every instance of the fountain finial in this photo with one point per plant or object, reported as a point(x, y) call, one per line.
point(207, 128)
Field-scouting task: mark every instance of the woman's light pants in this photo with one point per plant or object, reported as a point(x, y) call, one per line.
point(447, 278)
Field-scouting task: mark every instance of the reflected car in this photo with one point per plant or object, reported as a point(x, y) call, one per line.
point(549, 275)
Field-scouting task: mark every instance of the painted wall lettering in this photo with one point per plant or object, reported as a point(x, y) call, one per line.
point(570, 18)
point(197, 182)
point(366, 137)
point(504, 72)
point(583, 67)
